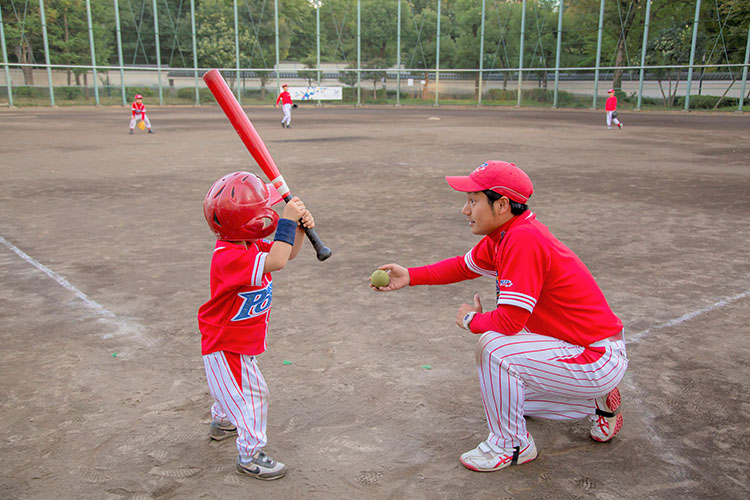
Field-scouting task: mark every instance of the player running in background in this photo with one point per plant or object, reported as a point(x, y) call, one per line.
point(234, 322)
point(138, 110)
point(611, 108)
point(286, 106)
point(552, 348)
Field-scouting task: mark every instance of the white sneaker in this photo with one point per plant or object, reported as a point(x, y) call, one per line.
point(483, 459)
point(261, 466)
point(607, 421)
point(219, 432)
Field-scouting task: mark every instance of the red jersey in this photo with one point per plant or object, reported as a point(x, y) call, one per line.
point(534, 271)
point(138, 108)
point(285, 98)
point(611, 104)
point(235, 318)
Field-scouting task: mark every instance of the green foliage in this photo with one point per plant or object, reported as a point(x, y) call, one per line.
point(707, 102)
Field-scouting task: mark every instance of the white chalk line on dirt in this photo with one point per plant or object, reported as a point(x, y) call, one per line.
point(687, 317)
point(59, 279)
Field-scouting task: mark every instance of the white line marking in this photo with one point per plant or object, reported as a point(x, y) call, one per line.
point(686, 317)
point(55, 276)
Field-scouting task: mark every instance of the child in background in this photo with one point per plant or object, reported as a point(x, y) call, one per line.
point(286, 106)
point(234, 321)
point(138, 110)
point(611, 108)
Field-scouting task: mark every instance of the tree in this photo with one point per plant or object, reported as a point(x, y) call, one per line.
point(215, 35)
point(671, 47)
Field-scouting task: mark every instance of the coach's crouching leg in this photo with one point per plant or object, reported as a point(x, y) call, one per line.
point(508, 443)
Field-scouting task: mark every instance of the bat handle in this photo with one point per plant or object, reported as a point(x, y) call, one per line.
point(323, 251)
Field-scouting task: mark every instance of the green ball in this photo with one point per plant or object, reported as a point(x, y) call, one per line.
point(380, 278)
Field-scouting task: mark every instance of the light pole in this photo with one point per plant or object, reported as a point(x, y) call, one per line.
point(317, 4)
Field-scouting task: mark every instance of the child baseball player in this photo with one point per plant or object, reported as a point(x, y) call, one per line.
point(234, 321)
point(286, 106)
point(551, 348)
point(138, 110)
point(611, 108)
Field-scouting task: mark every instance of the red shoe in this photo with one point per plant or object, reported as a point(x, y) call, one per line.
point(607, 421)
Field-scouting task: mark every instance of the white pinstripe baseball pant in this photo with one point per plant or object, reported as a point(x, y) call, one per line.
point(534, 375)
point(240, 396)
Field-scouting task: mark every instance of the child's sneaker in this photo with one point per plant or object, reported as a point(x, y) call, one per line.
point(484, 459)
point(219, 432)
point(607, 420)
point(619, 125)
point(130, 132)
point(261, 466)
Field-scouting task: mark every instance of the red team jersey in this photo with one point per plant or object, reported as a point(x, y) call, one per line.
point(235, 318)
point(138, 109)
point(611, 104)
point(534, 271)
point(285, 98)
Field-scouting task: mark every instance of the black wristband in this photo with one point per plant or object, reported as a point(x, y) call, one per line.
point(285, 231)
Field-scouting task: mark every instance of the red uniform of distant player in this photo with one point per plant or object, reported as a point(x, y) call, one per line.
point(552, 347)
point(234, 321)
point(611, 108)
point(138, 111)
point(286, 106)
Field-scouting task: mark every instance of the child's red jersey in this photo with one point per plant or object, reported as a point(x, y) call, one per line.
point(611, 104)
point(138, 108)
point(235, 318)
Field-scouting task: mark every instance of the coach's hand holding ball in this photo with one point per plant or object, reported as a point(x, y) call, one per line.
point(389, 277)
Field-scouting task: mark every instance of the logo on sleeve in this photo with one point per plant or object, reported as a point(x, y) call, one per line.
point(254, 303)
point(504, 283)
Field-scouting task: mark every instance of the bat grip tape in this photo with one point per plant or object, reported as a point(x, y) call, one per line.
point(285, 231)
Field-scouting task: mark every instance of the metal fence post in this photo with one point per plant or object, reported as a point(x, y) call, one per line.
point(398, 56)
point(437, 57)
point(643, 55)
point(237, 53)
point(119, 53)
point(195, 52)
point(692, 53)
point(557, 52)
point(359, 56)
point(481, 56)
point(158, 51)
point(520, 57)
point(276, 29)
point(5, 62)
point(93, 51)
point(46, 53)
point(598, 52)
point(744, 71)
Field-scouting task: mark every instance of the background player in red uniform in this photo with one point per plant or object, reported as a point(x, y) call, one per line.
point(611, 108)
point(138, 110)
point(286, 106)
point(234, 322)
point(552, 348)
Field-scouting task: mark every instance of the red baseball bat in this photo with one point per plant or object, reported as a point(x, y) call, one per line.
point(255, 146)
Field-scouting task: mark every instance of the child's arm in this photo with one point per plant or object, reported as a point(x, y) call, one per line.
point(281, 250)
point(299, 237)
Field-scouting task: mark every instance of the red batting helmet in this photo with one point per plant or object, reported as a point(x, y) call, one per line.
point(138, 96)
point(238, 207)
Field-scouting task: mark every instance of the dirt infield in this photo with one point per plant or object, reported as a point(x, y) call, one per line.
point(105, 260)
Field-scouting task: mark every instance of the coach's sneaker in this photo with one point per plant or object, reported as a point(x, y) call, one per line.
point(219, 432)
point(607, 421)
point(484, 459)
point(261, 466)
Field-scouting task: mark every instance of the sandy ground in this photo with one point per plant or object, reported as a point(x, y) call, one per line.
point(105, 260)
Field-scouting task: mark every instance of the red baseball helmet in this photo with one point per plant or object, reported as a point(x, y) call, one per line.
point(138, 96)
point(238, 207)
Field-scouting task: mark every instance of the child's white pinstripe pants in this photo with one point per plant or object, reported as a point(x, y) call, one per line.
point(240, 396)
point(540, 376)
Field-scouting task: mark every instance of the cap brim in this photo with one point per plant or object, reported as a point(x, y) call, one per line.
point(275, 196)
point(463, 183)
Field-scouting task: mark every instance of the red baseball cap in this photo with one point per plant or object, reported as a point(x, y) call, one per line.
point(500, 176)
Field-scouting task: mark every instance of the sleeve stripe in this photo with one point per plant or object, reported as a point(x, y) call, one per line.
point(469, 261)
point(503, 297)
point(517, 303)
point(260, 262)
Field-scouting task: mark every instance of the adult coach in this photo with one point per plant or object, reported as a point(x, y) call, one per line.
point(286, 106)
point(552, 348)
